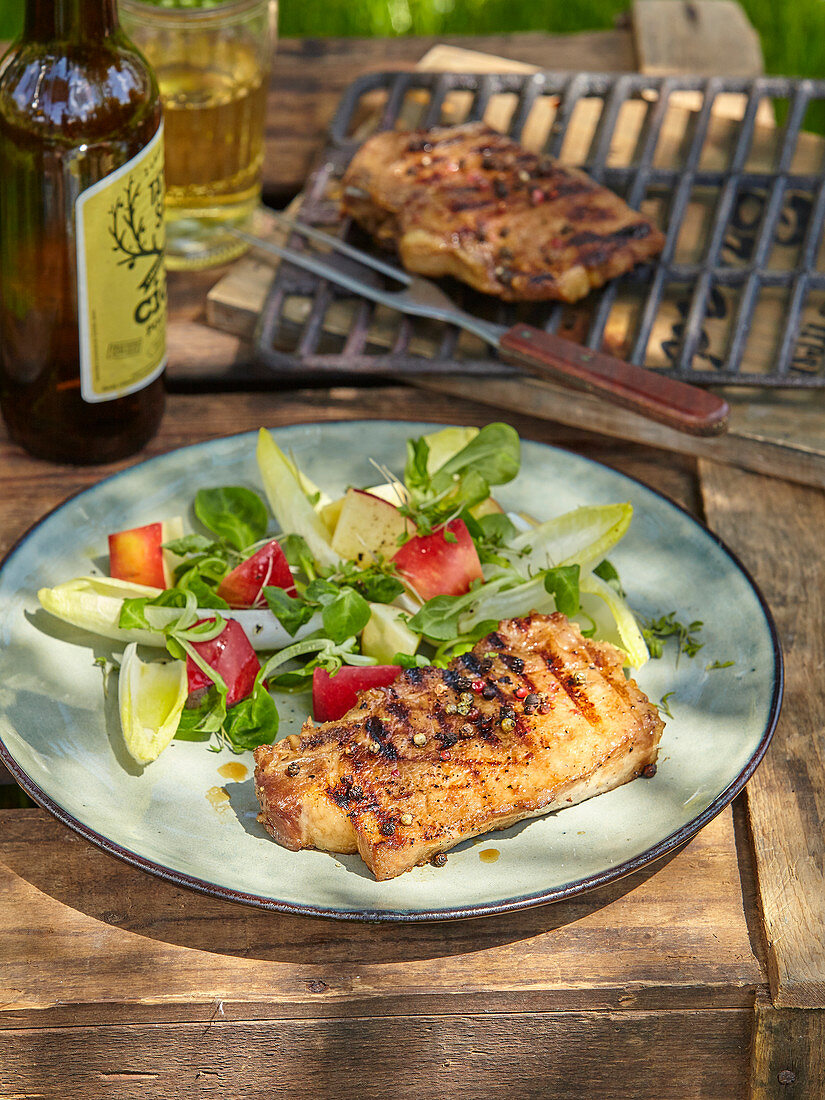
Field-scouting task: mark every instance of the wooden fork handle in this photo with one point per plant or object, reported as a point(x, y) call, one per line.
point(686, 408)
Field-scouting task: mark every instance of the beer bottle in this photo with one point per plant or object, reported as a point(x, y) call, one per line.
point(82, 281)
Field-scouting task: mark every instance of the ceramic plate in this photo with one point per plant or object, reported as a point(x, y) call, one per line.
point(61, 739)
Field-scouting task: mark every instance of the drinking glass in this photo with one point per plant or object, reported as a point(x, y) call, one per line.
point(212, 64)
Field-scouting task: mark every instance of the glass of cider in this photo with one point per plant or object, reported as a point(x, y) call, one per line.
point(212, 59)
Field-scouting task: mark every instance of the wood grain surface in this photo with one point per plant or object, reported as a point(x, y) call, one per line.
point(140, 986)
point(532, 1056)
point(311, 74)
point(695, 36)
point(116, 984)
point(637, 945)
point(788, 1054)
point(777, 529)
point(655, 396)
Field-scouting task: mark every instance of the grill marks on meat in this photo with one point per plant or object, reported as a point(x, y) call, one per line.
point(470, 202)
point(552, 721)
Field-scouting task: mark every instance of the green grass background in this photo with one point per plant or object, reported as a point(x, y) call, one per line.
point(792, 31)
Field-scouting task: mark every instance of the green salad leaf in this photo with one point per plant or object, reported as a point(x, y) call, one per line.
point(234, 513)
point(563, 585)
point(292, 612)
point(492, 457)
point(347, 614)
point(253, 721)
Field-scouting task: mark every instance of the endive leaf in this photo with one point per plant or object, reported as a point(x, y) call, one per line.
point(289, 502)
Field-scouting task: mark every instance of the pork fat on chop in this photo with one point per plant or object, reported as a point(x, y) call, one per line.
point(470, 202)
point(534, 718)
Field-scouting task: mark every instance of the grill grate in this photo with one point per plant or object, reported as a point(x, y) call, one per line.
point(738, 294)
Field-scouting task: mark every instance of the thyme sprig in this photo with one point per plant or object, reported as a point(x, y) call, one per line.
point(656, 632)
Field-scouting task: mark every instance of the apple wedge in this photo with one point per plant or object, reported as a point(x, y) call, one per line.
point(367, 527)
point(137, 555)
point(386, 634)
point(444, 563)
point(488, 507)
point(336, 693)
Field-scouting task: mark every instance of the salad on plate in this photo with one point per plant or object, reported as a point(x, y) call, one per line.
point(291, 590)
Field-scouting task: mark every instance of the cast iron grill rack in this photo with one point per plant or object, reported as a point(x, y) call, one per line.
point(727, 167)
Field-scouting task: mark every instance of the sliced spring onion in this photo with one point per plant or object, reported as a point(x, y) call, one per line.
point(94, 604)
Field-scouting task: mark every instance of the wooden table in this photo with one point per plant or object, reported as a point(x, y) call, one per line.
point(703, 976)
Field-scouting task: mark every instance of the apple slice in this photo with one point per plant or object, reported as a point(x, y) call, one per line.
point(331, 513)
point(137, 555)
point(386, 634)
point(488, 507)
point(367, 526)
point(334, 694)
point(435, 565)
point(446, 443)
point(231, 655)
point(243, 587)
point(392, 491)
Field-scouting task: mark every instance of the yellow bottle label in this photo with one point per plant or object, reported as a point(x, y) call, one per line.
point(121, 280)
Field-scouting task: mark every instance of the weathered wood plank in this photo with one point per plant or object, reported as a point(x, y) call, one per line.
point(695, 36)
point(674, 935)
point(788, 1054)
point(29, 488)
point(782, 435)
point(566, 1055)
point(310, 75)
point(777, 529)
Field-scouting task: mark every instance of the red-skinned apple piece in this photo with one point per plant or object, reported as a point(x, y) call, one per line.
point(137, 555)
point(231, 655)
point(334, 694)
point(243, 587)
point(433, 565)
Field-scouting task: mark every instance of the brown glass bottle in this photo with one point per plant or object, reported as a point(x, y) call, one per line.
point(77, 104)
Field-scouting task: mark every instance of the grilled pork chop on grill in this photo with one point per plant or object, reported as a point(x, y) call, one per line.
point(470, 202)
point(534, 718)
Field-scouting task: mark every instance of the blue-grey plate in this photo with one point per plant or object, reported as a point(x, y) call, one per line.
point(61, 737)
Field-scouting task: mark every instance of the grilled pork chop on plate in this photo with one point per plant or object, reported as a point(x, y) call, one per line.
point(533, 719)
point(470, 202)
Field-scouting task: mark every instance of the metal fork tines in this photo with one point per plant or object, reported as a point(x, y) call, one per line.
point(539, 352)
point(419, 297)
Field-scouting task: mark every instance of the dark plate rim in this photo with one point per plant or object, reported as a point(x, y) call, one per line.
point(399, 916)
